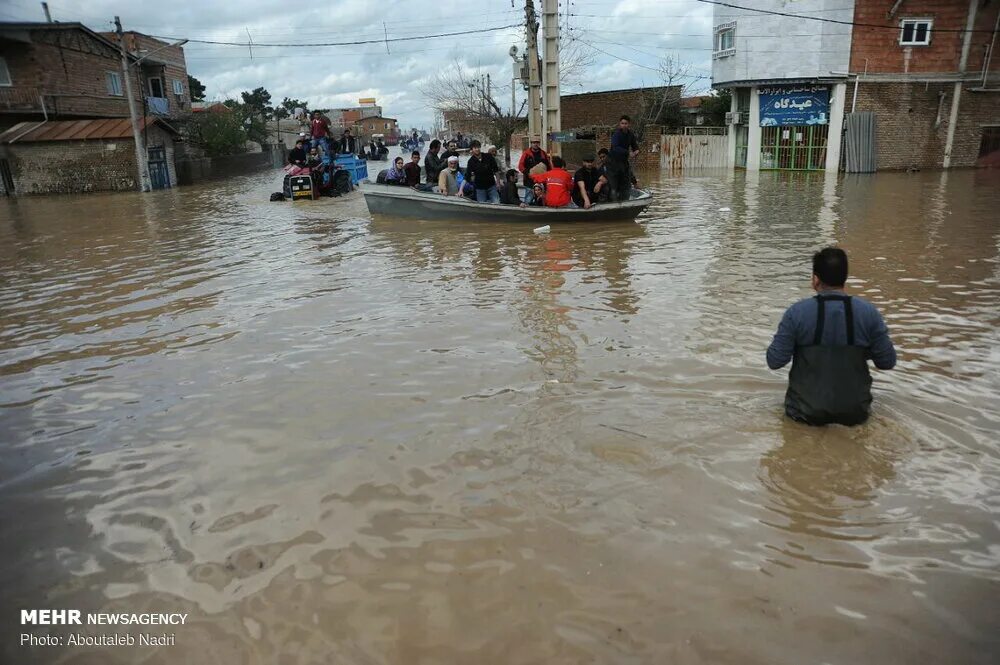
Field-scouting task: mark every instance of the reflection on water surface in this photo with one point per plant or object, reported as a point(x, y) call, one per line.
point(336, 439)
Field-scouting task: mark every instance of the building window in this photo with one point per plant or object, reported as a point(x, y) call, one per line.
point(387, 125)
point(178, 87)
point(915, 31)
point(4, 73)
point(155, 86)
point(725, 40)
point(114, 81)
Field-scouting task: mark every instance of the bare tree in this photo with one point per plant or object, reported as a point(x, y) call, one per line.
point(575, 63)
point(460, 93)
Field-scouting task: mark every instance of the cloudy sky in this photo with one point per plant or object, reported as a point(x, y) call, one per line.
point(626, 38)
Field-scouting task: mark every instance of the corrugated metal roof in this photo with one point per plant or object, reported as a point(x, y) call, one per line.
point(77, 130)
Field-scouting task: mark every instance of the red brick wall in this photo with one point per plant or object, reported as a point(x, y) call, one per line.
point(906, 136)
point(68, 67)
point(884, 54)
point(649, 146)
point(174, 69)
point(603, 109)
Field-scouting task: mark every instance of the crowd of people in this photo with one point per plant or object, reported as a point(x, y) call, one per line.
point(605, 177)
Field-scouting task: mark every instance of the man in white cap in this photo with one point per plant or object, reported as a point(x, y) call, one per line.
point(448, 179)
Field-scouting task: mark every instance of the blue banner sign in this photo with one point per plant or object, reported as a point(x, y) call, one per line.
point(802, 105)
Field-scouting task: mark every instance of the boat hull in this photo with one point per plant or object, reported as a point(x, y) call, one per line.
point(395, 201)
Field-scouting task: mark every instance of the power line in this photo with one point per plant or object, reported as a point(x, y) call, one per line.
point(354, 43)
point(827, 20)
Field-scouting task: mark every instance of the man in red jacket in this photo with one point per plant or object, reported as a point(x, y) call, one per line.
point(532, 156)
point(558, 184)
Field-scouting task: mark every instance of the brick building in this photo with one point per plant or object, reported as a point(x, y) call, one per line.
point(77, 156)
point(603, 109)
point(933, 85)
point(368, 127)
point(925, 72)
point(52, 72)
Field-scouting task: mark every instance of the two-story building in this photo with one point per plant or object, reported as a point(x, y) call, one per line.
point(915, 82)
point(59, 83)
point(932, 84)
point(788, 80)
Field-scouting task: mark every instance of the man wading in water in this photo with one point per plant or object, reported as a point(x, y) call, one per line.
point(829, 339)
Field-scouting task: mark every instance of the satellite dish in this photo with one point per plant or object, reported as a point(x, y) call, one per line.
point(513, 51)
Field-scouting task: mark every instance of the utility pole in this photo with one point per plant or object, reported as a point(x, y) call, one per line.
point(140, 152)
point(552, 116)
point(534, 76)
point(48, 16)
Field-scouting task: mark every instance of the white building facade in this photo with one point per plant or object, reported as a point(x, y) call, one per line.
point(788, 77)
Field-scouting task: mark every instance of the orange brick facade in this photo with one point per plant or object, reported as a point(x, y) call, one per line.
point(881, 49)
point(911, 89)
point(603, 109)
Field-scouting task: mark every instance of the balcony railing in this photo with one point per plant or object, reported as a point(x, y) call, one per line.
point(20, 98)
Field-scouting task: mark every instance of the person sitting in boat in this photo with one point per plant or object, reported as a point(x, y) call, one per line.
point(530, 160)
point(297, 156)
point(433, 164)
point(587, 184)
point(396, 175)
point(509, 194)
point(558, 184)
point(452, 150)
point(448, 178)
point(535, 196)
point(412, 169)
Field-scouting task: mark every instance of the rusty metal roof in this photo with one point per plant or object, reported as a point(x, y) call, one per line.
point(77, 130)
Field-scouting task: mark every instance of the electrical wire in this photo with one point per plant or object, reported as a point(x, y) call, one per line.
point(352, 43)
point(828, 20)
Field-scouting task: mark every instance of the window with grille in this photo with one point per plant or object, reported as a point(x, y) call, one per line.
point(178, 87)
point(725, 40)
point(915, 31)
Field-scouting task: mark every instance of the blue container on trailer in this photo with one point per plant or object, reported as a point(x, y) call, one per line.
point(357, 167)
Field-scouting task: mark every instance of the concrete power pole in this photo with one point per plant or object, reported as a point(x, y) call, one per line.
point(552, 116)
point(534, 76)
point(140, 152)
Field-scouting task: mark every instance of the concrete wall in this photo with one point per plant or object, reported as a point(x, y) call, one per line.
point(603, 109)
point(908, 134)
point(190, 171)
point(780, 47)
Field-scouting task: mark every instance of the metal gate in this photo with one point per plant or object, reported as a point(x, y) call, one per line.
point(693, 152)
point(859, 142)
point(159, 175)
point(793, 147)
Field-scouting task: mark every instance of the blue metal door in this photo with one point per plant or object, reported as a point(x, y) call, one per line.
point(159, 176)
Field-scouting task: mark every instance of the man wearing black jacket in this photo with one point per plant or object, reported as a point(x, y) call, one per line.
point(482, 171)
point(433, 164)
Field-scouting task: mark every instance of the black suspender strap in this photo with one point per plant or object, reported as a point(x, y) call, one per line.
point(849, 319)
point(820, 320)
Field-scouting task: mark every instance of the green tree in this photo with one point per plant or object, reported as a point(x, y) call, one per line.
point(197, 89)
point(716, 107)
point(218, 134)
point(258, 102)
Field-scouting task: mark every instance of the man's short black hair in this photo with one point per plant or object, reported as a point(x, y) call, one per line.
point(625, 117)
point(512, 173)
point(830, 265)
point(602, 151)
point(435, 144)
point(475, 144)
point(415, 153)
point(558, 162)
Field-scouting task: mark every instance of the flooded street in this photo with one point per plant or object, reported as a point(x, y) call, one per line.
point(332, 439)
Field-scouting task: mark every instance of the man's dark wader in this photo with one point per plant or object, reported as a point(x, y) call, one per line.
point(619, 184)
point(830, 383)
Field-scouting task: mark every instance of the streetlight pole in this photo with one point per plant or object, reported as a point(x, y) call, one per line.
point(140, 153)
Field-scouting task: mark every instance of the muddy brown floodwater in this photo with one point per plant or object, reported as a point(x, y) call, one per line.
point(332, 439)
